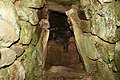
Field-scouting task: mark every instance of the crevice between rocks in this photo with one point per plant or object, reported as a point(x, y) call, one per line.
point(37, 8)
point(8, 65)
point(14, 43)
point(100, 38)
point(103, 39)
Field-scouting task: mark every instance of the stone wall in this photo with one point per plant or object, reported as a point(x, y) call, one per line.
point(97, 40)
point(23, 37)
point(97, 37)
point(19, 35)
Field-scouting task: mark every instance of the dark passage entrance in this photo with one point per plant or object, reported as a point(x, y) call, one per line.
point(61, 49)
point(60, 30)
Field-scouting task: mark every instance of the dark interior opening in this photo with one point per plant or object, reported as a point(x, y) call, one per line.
point(59, 27)
point(61, 48)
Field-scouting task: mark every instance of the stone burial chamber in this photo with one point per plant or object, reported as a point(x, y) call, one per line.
point(59, 40)
point(61, 47)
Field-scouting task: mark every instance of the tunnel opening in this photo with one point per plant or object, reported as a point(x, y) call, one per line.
point(61, 47)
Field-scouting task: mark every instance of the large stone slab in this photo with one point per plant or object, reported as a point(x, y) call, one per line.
point(117, 55)
point(27, 14)
point(104, 23)
point(53, 6)
point(117, 34)
point(7, 57)
point(26, 33)
point(85, 26)
point(33, 3)
point(105, 50)
point(84, 2)
point(82, 41)
point(15, 71)
point(104, 71)
point(42, 43)
point(19, 49)
point(89, 47)
point(9, 31)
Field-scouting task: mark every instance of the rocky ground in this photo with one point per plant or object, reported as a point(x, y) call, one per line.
point(66, 73)
point(64, 64)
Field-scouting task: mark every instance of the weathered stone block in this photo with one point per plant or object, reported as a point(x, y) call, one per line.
point(26, 32)
point(117, 37)
point(19, 49)
point(27, 14)
point(85, 25)
point(9, 31)
point(42, 43)
point(32, 3)
point(90, 49)
point(81, 40)
point(105, 50)
point(117, 55)
point(104, 70)
point(7, 57)
point(84, 3)
point(89, 11)
point(15, 71)
point(104, 23)
point(7, 34)
point(53, 6)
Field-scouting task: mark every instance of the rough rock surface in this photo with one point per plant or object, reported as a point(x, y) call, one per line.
point(107, 27)
point(81, 40)
point(19, 21)
point(27, 14)
point(57, 55)
point(19, 49)
point(7, 34)
point(117, 55)
point(23, 39)
point(7, 57)
point(26, 32)
point(8, 21)
point(32, 3)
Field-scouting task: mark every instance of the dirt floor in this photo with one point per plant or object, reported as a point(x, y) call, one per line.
point(65, 73)
point(64, 63)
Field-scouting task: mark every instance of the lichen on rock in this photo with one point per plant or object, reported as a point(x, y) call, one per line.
point(104, 23)
point(26, 32)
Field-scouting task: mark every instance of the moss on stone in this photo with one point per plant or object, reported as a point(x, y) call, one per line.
point(3, 72)
point(26, 32)
point(35, 37)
